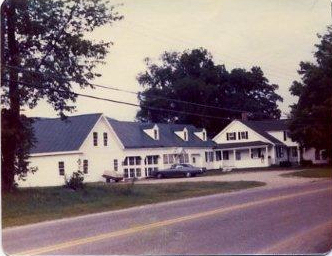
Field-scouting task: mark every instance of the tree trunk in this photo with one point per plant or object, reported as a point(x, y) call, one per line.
point(9, 148)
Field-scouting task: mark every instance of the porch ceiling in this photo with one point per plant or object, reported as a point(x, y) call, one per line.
point(242, 145)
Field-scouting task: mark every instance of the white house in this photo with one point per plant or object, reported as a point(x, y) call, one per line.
point(244, 144)
point(95, 144)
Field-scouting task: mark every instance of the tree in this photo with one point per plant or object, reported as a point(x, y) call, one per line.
point(44, 51)
point(311, 116)
point(193, 76)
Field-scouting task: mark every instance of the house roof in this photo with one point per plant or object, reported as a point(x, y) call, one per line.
point(56, 135)
point(131, 135)
point(272, 125)
point(261, 127)
point(241, 144)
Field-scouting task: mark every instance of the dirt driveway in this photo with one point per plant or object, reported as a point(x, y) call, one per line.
point(271, 178)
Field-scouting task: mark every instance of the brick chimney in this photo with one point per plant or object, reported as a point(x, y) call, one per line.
point(244, 116)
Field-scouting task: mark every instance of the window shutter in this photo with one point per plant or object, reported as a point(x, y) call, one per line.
point(234, 135)
point(239, 135)
point(227, 136)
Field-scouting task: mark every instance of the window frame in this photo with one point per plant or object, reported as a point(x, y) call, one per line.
point(116, 165)
point(85, 166)
point(95, 138)
point(61, 168)
point(105, 138)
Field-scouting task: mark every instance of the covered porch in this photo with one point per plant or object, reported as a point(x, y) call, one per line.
point(243, 155)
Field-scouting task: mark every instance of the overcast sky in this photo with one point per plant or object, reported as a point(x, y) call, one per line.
point(273, 34)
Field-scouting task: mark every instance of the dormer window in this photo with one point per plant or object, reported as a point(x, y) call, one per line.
point(153, 132)
point(204, 136)
point(185, 135)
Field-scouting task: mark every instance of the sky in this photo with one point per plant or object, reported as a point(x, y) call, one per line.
point(273, 34)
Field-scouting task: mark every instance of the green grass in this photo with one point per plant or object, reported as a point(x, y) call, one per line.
point(29, 205)
point(215, 172)
point(311, 173)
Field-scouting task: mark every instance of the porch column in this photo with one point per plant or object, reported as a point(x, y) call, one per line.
point(234, 157)
point(250, 153)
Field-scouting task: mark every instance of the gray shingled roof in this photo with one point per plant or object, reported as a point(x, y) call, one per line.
point(260, 126)
point(241, 144)
point(56, 135)
point(131, 135)
point(272, 125)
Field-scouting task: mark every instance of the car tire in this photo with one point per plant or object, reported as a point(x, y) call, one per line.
point(159, 176)
point(188, 174)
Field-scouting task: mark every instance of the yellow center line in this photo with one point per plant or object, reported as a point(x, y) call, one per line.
point(159, 224)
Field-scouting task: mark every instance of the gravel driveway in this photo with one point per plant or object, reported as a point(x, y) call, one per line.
point(271, 178)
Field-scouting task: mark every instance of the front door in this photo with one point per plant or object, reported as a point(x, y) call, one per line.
point(195, 160)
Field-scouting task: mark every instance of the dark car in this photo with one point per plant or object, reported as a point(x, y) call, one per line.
point(178, 170)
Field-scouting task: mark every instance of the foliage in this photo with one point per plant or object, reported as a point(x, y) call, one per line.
point(194, 77)
point(311, 123)
point(75, 182)
point(23, 133)
point(29, 205)
point(44, 52)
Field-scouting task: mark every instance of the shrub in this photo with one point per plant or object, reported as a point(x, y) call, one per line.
point(306, 163)
point(285, 164)
point(76, 181)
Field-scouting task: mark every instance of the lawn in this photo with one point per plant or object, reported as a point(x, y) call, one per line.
point(29, 205)
point(311, 173)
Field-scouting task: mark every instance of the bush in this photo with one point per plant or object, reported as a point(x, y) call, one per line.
point(306, 163)
point(285, 164)
point(76, 181)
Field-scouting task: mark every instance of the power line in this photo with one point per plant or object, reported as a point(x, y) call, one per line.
point(138, 93)
point(121, 102)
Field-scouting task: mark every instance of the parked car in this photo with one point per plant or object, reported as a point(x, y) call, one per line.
point(178, 170)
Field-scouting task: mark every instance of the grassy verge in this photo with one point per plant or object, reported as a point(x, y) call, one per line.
point(215, 172)
point(311, 173)
point(29, 205)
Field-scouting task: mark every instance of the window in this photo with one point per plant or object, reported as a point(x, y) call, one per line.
point(171, 158)
point(225, 155)
point(132, 172)
point(95, 139)
point(239, 135)
point(194, 160)
point(165, 159)
point(231, 136)
point(294, 151)
point(211, 156)
point(280, 151)
point(218, 155)
point(149, 159)
point(206, 157)
point(185, 136)
point(324, 154)
point(237, 155)
point(317, 154)
point(85, 166)
point(125, 171)
point(244, 135)
point(204, 136)
point(138, 172)
point(105, 139)
point(131, 160)
point(285, 135)
point(256, 153)
point(155, 134)
point(125, 162)
point(115, 163)
point(186, 158)
point(181, 159)
point(150, 171)
point(155, 159)
point(62, 168)
point(155, 169)
point(138, 160)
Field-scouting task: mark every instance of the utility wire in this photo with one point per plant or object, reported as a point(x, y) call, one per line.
point(120, 102)
point(137, 93)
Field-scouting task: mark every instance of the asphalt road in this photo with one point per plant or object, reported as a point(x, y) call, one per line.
point(295, 219)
